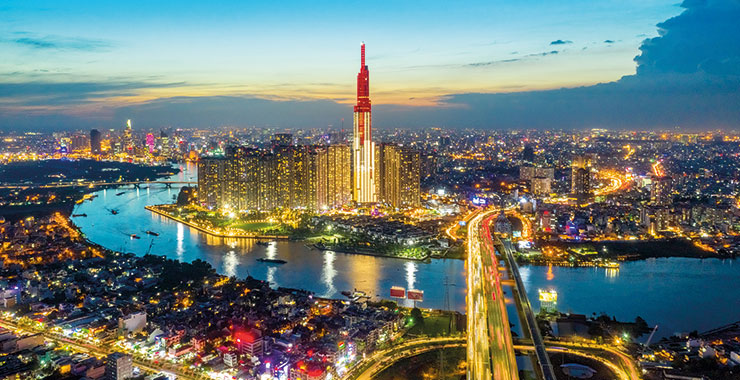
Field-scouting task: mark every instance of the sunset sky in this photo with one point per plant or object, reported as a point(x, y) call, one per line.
point(81, 63)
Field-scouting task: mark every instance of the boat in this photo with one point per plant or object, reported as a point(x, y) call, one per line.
point(135, 236)
point(114, 212)
point(121, 193)
point(611, 265)
point(271, 261)
point(78, 215)
point(355, 295)
point(264, 243)
point(152, 233)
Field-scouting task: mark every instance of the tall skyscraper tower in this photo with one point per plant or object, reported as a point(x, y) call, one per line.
point(363, 148)
point(128, 138)
point(95, 141)
point(581, 178)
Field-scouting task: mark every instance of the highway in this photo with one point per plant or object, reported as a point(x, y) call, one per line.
point(381, 360)
point(490, 346)
point(546, 370)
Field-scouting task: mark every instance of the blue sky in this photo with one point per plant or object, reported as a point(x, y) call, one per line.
point(82, 63)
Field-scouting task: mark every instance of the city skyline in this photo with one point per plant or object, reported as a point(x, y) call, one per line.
point(540, 57)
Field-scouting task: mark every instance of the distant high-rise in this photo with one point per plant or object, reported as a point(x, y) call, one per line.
point(95, 141)
point(539, 179)
point(118, 367)
point(363, 148)
point(128, 138)
point(528, 154)
point(581, 178)
point(283, 139)
point(150, 142)
point(660, 190)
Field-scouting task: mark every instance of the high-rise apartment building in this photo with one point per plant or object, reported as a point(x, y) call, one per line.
point(398, 176)
point(363, 148)
point(314, 178)
point(539, 179)
point(211, 184)
point(335, 177)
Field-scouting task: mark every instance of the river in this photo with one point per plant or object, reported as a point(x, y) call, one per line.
point(679, 294)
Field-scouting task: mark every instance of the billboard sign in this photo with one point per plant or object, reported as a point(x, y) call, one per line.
point(416, 295)
point(398, 292)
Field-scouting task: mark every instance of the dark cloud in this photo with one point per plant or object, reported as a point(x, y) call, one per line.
point(687, 76)
point(70, 93)
point(58, 42)
point(561, 42)
point(491, 63)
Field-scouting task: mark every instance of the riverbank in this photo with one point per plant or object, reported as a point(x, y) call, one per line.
point(167, 211)
point(609, 254)
point(162, 211)
point(321, 247)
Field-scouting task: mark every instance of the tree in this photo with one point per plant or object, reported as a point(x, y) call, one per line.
point(416, 316)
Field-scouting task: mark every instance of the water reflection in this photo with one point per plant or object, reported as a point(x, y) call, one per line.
point(180, 250)
point(271, 252)
point(550, 275)
point(328, 273)
point(611, 273)
point(271, 277)
point(230, 263)
point(325, 273)
point(410, 280)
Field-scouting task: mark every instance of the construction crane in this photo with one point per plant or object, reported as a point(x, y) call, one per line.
point(649, 339)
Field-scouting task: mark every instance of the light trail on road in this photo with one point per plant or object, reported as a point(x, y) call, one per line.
point(490, 346)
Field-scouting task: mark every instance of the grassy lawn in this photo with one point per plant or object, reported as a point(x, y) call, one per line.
point(254, 226)
point(434, 325)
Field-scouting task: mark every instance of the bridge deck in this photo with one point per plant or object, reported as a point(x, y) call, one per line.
point(490, 345)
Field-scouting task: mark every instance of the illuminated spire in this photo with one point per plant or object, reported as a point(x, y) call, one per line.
point(362, 48)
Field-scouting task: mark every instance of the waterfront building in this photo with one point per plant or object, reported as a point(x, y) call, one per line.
point(300, 176)
point(211, 181)
point(335, 186)
point(398, 170)
point(363, 148)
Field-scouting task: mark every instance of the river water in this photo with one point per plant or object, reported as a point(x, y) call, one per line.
point(678, 294)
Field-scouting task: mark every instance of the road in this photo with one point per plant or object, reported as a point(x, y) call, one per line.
point(381, 360)
point(373, 365)
point(490, 345)
point(545, 367)
point(100, 351)
point(92, 184)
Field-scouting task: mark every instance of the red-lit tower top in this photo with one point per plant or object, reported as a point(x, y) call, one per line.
point(363, 85)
